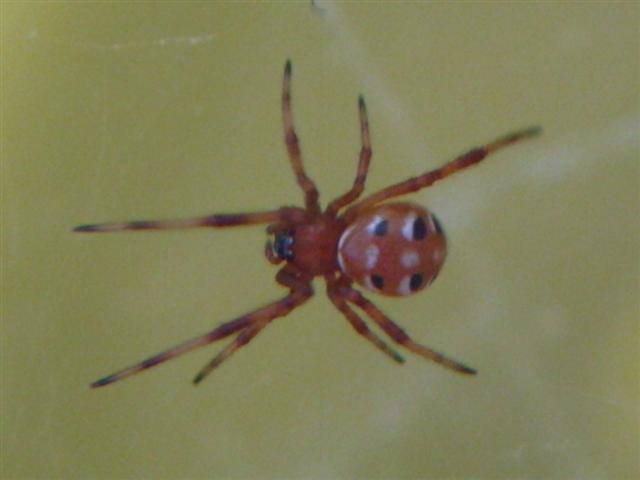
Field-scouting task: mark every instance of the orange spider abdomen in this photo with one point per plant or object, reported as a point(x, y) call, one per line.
point(394, 249)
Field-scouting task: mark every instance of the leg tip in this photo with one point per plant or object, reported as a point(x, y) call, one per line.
point(467, 370)
point(532, 131)
point(287, 67)
point(362, 107)
point(102, 382)
point(399, 358)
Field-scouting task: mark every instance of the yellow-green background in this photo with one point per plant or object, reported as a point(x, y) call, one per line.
point(154, 110)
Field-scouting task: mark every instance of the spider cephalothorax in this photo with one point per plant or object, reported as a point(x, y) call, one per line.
point(393, 249)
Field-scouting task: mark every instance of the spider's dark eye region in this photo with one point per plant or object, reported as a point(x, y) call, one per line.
point(380, 229)
point(416, 281)
point(282, 246)
point(419, 229)
point(377, 281)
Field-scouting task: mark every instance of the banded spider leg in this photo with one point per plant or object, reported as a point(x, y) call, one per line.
point(343, 292)
point(461, 162)
point(247, 327)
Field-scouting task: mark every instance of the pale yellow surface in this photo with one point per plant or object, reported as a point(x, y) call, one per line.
point(154, 110)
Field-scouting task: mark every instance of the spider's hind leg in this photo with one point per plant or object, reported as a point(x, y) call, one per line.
point(461, 162)
point(399, 336)
point(336, 295)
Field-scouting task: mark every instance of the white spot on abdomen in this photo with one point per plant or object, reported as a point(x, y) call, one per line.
point(404, 287)
point(372, 253)
point(341, 261)
point(366, 281)
point(371, 228)
point(409, 259)
point(343, 237)
point(407, 226)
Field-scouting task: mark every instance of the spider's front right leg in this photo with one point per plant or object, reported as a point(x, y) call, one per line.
point(286, 214)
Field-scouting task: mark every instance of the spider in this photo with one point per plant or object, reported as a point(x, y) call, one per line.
point(393, 249)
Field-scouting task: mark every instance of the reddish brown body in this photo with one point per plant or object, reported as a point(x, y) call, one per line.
point(393, 249)
point(315, 245)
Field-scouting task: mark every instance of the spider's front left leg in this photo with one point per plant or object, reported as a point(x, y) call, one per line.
point(461, 162)
point(293, 146)
point(399, 335)
point(363, 163)
point(218, 333)
point(248, 326)
point(300, 292)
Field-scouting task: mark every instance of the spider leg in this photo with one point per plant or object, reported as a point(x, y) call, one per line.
point(293, 147)
point(337, 298)
point(399, 335)
point(363, 163)
point(241, 340)
point(250, 322)
point(300, 292)
point(216, 220)
point(217, 333)
point(463, 161)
